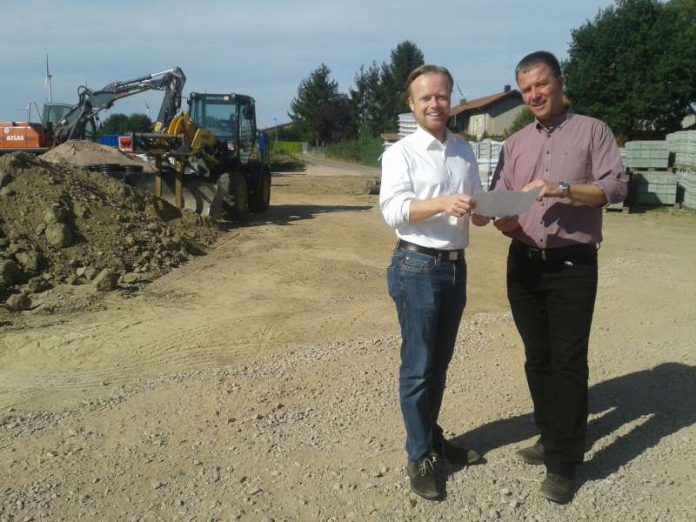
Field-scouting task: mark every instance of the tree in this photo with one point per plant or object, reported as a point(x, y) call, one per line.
point(379, 96)
point(120, 123)
point(365, 103)
point(404, 58)
point(315, 97)
point(139, 123)
point(634, 66)
point(524, 118)
point(334, 121)
point(115, 124)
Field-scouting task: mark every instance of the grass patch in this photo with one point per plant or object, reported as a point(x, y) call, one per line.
point(364, 151)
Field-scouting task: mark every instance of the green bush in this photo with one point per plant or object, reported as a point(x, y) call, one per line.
point(286, 147)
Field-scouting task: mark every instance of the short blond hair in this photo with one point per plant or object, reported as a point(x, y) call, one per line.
point(427, 69)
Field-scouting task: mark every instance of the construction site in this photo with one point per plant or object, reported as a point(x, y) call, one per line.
point(176, 345)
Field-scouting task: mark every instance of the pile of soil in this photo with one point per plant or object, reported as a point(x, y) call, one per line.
point(83, 153)
point(64, 225)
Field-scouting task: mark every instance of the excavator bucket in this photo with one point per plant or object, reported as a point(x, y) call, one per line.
point(199, 195)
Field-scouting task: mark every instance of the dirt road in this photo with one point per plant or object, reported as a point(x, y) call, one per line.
point(258, 382)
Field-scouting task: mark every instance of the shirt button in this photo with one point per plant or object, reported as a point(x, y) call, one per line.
point(548, 152)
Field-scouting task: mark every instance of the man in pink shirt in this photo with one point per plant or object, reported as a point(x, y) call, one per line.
point(552, 263)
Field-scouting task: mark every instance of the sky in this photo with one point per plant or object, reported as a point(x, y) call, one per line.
point(265, 48)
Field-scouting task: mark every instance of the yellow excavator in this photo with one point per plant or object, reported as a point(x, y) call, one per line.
point(213, 153)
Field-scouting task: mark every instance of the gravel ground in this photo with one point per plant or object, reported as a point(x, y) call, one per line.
point(302, 437)
point(282, 405)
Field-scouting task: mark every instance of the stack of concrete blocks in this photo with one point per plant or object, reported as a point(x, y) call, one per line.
point(646, 155)
point(648, 162)
point(683, 145)
point(407, 124)
point(487, 153)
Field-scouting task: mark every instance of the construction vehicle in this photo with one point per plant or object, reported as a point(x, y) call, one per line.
point(61, 122)
point(33, 137)
point(217, 147)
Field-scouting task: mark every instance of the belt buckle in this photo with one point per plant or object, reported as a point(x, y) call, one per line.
point(536, 253)
point(453, 255)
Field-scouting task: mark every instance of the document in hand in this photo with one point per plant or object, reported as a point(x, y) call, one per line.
point(504, 203)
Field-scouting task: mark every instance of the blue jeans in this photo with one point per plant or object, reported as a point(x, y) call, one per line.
point(430, 296)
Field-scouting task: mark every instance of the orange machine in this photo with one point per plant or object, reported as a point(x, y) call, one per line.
point(22, 135)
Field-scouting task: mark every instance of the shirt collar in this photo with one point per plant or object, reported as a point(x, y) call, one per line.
point(558, 122)
point(428, 141)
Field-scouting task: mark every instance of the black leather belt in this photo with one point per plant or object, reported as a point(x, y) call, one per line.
point(441, 255)
point(551, 254)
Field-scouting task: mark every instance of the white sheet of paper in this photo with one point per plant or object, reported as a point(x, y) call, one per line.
point(504, 203)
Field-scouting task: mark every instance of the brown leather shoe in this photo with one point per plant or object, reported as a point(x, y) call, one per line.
point(533, 454)
point(423, 478)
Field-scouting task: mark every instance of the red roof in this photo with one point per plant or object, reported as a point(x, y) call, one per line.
point(481, 103)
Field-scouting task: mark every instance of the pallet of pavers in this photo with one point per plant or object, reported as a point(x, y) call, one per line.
point(687, 187)
point(646, 155)
point(683, 145)
point(655, 187)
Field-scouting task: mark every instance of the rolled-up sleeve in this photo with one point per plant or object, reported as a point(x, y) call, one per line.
point(396, 188)
point(607, 169)
point(500, 180)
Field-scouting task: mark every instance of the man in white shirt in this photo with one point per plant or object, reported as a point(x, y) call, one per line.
point(428, 180)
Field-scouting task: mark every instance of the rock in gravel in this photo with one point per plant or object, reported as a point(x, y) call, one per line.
point(30, 259)
point(9, 271)
point(59, 235)
point(18, 302)
point(5, 178)
point(105, 280)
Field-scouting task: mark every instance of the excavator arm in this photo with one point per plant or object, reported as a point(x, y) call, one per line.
point(91, 102)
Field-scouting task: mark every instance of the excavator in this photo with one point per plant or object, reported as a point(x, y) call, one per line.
point(216, 144)
point(217, 147)
point(62, 122)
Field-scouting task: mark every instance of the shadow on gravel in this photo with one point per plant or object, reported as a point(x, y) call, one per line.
point(661, 401)
point(286, 214)
point(658, 402)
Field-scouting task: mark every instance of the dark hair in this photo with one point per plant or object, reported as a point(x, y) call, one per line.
point(427, 69)
point(530, 61)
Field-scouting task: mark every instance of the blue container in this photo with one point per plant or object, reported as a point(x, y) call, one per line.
point(110, 140)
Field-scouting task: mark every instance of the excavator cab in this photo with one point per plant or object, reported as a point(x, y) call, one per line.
point(243, 171)
point(54, 112)
point(230, 117)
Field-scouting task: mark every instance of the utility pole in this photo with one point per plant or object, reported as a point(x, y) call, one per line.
point(275, 121)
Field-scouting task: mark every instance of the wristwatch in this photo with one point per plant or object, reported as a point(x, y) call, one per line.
point(565, 188)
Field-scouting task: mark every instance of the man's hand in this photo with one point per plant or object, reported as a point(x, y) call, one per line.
point(584, 194)
point(548, 189)
point(506, 224)
point(457, 205)
point(479, 221)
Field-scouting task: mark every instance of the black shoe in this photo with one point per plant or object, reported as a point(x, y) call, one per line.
point(423, 478)
point(557, 488)
point(445, 450)
point(533, 454)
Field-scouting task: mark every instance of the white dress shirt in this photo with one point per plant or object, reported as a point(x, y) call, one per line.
point(420, 167)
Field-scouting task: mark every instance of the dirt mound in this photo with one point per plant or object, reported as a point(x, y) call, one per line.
point(61, 224)
point(84, 153)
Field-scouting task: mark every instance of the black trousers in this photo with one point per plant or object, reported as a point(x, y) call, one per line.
point(552, 302)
